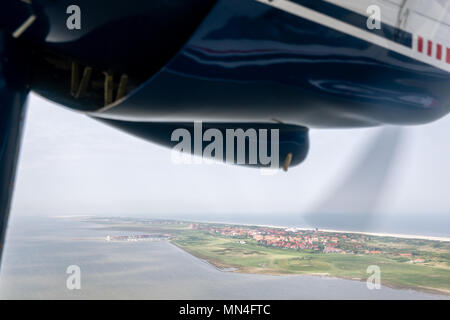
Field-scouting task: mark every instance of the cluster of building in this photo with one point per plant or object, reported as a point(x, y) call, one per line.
point(299, 239)
point(291, 238)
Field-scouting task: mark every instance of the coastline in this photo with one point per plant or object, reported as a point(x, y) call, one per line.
point(238, 269)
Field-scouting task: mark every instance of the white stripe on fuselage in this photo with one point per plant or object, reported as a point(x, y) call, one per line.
point(333, 23)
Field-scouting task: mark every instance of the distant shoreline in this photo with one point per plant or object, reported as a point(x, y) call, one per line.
point(393, 235)
point(377, 234)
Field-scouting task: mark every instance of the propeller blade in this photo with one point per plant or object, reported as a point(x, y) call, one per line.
point(352, 203)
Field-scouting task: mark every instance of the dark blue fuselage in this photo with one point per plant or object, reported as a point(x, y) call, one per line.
point(251, 62)
point(243, 61)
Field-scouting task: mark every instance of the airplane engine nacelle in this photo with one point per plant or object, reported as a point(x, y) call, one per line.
point(75, 46)
point(248, 144)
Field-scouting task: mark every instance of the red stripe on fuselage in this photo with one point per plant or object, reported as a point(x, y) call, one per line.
point(439, 51)
point(420, 44)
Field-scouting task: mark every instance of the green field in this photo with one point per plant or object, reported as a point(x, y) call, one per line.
point(251, 257)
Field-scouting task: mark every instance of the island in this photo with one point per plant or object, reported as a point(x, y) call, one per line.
point(409, 262)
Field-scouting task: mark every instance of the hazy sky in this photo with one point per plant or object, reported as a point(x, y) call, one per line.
point(71, 164)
